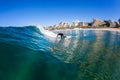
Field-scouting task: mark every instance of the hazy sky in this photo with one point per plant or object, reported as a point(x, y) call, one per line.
point(50, 12)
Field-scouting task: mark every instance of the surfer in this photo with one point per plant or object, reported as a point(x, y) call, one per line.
point(62, 35)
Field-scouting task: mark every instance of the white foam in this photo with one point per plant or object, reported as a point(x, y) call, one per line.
point(50, 35)
point(46, 32)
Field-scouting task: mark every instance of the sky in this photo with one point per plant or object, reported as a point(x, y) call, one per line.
point(50, 12)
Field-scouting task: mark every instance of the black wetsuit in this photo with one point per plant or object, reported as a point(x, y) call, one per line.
point(61, 34)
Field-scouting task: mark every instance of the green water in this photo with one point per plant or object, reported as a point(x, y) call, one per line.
point(27, 55)
point(19, 63)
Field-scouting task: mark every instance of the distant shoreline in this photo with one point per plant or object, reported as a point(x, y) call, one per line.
point(96, 23)
point(108, 29)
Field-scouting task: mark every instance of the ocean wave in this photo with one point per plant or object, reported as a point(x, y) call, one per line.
point(25, 55)
point(28, 36)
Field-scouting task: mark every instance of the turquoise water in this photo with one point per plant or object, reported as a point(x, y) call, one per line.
point(25, 54)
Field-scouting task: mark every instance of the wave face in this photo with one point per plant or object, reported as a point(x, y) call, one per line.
point(25, 54)
point(29, 36)
point(29, 53)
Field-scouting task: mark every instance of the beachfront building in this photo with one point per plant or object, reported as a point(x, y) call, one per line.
point(75, 23)
point(54, 26)
point(82, 24)
point(66, 25)
point(63, 25)
point(98, 22)
point(112, 23)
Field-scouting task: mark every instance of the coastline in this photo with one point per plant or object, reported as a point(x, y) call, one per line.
point(108, 29)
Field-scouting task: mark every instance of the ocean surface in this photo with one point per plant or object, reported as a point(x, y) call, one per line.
point(27, 54)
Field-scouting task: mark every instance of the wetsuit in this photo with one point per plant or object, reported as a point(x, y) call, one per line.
point(61, 34)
